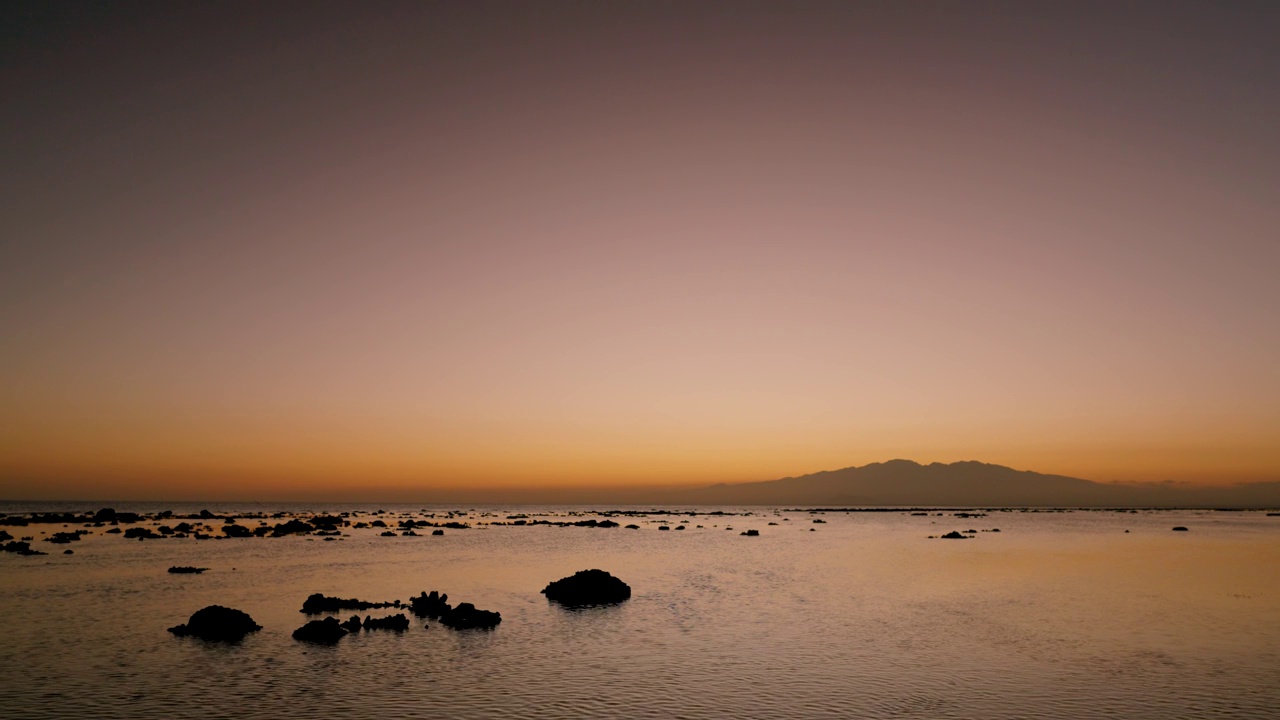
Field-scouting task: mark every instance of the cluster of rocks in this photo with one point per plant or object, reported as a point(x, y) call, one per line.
point(329, 631)
point(465, 616)
point(592, 523)
point(20, 547)
point(62, 538)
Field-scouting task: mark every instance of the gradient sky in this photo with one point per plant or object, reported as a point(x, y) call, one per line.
point(255, 248)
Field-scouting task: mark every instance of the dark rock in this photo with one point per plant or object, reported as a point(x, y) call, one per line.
point(321, 632)
point(953, 535)
point(1180, 529)
point(20, 547)
point(437, 532)
point(114, 531)
point(587, 587)
point(352, 624)
point(4, 536)
point(397, 622)
point(293, 527)
point(388, 533)
point(186, 570)
point(751, 533)
point(663, 527)
point(467, 617)
point(633, 527)
point(68, 552)
point(62, 538)
point(237, 531)
point(606, 524)
point(217, 623)
point(141, 533)
point(429, 606)
point(320, 603)
point(104, 515)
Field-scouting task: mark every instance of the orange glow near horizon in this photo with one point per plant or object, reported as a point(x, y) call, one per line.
point(633, 246)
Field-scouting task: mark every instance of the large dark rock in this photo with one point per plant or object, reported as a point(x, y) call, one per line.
point(1180, 529)
point(430, 606)
point(186, 570)
point(217, 623)
point(588, 587)
point(323, 632)
point(352, 624)
point(953, 535)
point(467, 617)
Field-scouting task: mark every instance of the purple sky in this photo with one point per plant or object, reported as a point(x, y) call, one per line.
point(279, 245)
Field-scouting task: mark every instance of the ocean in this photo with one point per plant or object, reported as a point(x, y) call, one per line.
point(861, 615)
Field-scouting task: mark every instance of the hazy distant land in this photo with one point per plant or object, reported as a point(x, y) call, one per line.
point(892, 483)
point(905, 482)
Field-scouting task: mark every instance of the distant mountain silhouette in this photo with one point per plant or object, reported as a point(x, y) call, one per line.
point(970, 483)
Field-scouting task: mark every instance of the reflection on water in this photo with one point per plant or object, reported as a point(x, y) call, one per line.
point(1058, 615)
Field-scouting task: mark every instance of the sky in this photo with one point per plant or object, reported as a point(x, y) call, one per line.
point(266, 249)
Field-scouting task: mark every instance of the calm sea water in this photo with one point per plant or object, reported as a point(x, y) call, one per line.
point(1060, 615)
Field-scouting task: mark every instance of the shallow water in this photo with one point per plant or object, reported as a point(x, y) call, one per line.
point(1058, 615)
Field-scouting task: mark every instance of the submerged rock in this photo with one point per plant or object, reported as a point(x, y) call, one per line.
point(320, 603)
point(322, 632)
point(396, 622)
point(217, 623)
point(467, 617)
point(587, 587)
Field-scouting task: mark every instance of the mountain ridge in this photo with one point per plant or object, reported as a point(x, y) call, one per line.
point(971, 482)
